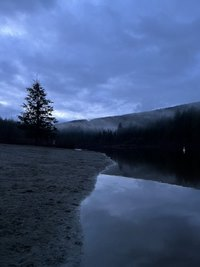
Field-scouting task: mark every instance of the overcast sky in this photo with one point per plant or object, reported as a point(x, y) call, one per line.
point(100, 57)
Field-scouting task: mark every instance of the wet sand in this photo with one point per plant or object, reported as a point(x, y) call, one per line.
point(40, 193)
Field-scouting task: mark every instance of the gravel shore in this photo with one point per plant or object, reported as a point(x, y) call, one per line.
point(40, 192)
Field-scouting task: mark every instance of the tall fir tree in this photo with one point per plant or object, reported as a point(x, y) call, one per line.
point(37, 118)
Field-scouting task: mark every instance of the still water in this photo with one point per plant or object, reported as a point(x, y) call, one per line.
point(133, 222)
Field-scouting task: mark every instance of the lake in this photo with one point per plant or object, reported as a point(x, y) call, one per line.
point(141, 222)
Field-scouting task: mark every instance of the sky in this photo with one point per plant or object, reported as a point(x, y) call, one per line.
point(99, 58)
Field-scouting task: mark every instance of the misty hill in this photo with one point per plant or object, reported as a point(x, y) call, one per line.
point(134, 119)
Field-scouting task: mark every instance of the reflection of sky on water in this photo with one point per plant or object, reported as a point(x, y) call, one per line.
point(132, 222)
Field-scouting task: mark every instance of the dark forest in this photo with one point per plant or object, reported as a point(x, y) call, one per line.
point(170, 134)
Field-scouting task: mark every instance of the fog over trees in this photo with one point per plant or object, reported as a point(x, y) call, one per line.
point(167, 133)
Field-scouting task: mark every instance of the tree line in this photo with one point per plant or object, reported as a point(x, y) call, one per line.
point(174, 133)
point(181, 130)
point(37, 126)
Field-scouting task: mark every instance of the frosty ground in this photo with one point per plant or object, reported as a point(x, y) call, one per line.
point(40, 192)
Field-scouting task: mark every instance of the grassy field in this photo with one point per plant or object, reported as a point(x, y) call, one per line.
point(40, 192)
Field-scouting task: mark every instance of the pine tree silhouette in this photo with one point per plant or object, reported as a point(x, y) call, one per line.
point(37, 118)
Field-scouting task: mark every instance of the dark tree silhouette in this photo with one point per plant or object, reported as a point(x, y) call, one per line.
point(37, 118)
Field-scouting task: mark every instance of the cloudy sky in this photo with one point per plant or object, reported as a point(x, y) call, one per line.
point(100, 57)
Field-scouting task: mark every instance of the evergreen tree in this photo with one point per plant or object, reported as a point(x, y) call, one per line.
point(37, 117)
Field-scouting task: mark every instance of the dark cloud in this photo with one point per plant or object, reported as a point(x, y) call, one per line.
point(11, 7)
point(96, 58)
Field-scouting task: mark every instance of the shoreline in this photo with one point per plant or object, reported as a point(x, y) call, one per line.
point(41, 189)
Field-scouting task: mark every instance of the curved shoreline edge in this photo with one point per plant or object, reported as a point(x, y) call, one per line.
point(41, 189)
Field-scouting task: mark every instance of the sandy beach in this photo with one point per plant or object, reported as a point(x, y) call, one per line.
point(40, 192)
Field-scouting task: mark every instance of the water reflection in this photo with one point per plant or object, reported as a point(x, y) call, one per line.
point(138, 223)
point(179, 168)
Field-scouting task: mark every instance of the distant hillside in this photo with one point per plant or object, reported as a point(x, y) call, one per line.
point(133, 119)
